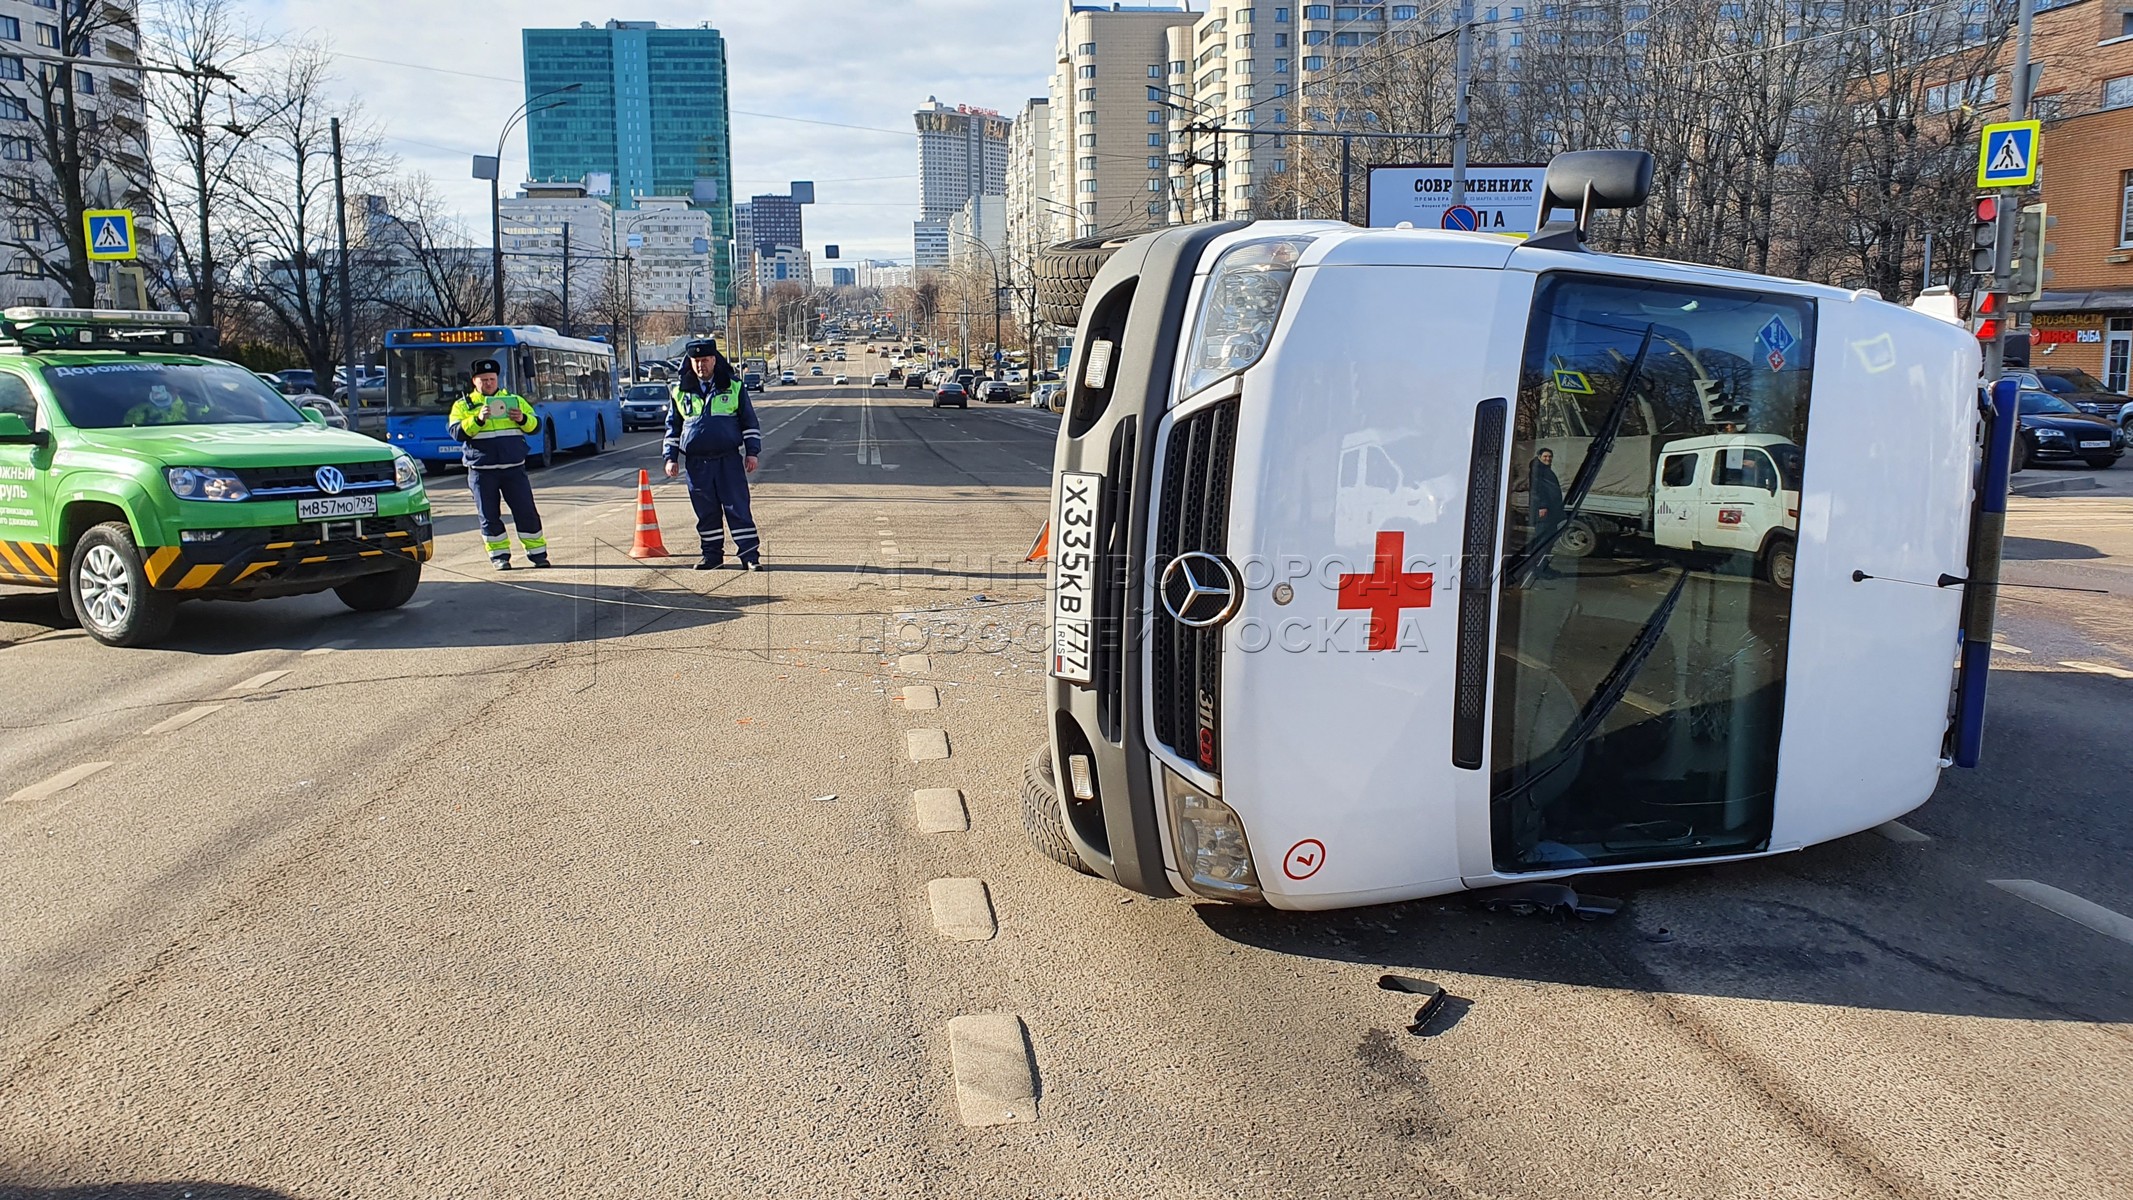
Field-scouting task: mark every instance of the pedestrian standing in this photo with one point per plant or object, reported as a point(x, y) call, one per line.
point(1546, 496)
point(712, 433)
point(491, 426)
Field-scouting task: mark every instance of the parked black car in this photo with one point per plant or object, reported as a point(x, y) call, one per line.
point(644, 406)
point(996, 392)
point(2052, 429)
point(951, 393)
point(300, 380)
point(915, 380)
point(2075, 386)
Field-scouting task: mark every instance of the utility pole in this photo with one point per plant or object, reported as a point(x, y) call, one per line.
point(1463, 80)
point(348, 332)
point(566, 278)
point(2003, 246)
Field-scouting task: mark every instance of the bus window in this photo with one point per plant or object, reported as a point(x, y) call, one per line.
point(1639, 691)
point(432, 378)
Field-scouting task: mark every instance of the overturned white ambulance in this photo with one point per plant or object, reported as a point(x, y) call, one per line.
point(1393, 563)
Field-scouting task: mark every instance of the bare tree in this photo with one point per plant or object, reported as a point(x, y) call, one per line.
point(427, 269)
point(84, 153)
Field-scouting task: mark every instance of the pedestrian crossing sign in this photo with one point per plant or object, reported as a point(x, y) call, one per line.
point(2007, 155)
point(110, 234)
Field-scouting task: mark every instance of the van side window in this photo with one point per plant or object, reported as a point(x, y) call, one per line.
point(1680, 470)
point(15, 398)
point(1744, 468)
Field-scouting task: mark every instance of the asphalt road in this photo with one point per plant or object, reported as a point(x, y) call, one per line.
point(606, 881)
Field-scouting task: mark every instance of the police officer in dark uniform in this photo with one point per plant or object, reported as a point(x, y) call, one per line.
point(711, 427)
point(491, 425)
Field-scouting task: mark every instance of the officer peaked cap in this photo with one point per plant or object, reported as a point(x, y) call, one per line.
point(486, 366)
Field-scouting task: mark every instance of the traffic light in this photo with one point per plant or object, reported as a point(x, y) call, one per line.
point(1985, 236)
point(1985, 316)
point(2026, 273)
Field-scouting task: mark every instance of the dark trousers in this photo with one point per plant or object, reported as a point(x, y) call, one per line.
point(494, 488)
point(718, 488)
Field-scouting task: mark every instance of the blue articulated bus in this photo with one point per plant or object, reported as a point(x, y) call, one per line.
point(570, 381)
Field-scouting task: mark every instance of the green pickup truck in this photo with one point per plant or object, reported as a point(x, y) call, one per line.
point(135, 473)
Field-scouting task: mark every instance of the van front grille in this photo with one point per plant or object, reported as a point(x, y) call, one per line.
point(1185, 664)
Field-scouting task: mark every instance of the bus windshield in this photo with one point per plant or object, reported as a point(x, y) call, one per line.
point(122, 395)
point(433, 378)
point(430, 379)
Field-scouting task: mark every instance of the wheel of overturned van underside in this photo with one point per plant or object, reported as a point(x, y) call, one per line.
point(1041, 817)
point(1065, 271)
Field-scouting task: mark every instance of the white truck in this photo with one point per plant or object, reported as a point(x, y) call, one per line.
point(1312, 647)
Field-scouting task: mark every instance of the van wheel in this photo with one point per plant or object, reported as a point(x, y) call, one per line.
point(387, 589)
point(1579, 539)
point(1065, 271)
point(107, 588)
point(1041, 818)
point(1777, 562)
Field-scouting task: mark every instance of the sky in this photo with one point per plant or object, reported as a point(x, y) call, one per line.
point(437, 79)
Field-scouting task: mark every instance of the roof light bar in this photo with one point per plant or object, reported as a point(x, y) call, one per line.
point(115, 316)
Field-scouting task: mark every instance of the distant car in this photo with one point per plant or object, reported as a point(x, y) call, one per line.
point(297, 382)
point(881, 379)
point(2050, 429)
point(751, 381)
point(814, 370)
point(644, 406)
point(996, 392)
point(841, 380)
point(787, 377)
point(273, 381)
point(335, 415)
point(951, 393)
point(369, 390)
point(2075, 386)
point(915, 381)
point(1041, 395)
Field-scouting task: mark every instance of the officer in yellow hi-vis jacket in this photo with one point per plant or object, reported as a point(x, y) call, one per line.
point(491, 425)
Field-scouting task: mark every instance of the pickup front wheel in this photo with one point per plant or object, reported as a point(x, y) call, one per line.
point(376, 593)
point(108, 589)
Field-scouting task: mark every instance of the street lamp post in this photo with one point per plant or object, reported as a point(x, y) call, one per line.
point(994, 260)
point(490, 168)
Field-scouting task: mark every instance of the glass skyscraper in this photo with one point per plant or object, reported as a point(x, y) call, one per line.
point(649, 111)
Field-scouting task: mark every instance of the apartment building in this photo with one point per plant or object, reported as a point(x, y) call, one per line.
point(673, 248)
point(2085, 167)
point(533, 224)
point(962, 152)
point(1034, 212)
point(1111, 127)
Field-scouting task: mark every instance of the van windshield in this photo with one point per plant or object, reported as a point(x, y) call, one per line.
point(136, 394)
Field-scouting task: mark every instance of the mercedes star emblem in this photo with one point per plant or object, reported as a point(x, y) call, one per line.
point(1200, 590)
point(330, 480)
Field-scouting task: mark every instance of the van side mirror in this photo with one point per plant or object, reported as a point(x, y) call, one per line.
point(1586, 181)
point(14, 430)
point(313, 415)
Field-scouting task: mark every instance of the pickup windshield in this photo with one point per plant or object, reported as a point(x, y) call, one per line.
point(135, 394)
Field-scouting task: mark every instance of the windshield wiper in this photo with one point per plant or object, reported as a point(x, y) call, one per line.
point(1610, 692)
point(1530, 560)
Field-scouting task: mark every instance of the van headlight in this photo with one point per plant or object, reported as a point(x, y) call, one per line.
point(1213, 855)
point(406, 472)
point(1239, 306)
point(205, 483)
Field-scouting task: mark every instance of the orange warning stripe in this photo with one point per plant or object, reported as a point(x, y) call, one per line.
point(18, 567)
point(159, 561)
point(44, 558)
point(248, 571)
point(198, 577)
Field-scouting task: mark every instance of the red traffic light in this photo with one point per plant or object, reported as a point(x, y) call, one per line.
point(1988, 208)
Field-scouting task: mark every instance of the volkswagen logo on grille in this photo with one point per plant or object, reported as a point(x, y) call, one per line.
point(330, 480)
point(1200, 590)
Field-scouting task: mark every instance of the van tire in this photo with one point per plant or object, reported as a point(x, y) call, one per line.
point(385, 590)
point(1580, 539)
point(1065, 271)
point(1041, 818)
point(138, 614)
point(1778, 559)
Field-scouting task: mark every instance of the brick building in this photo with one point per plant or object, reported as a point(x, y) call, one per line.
point(2085, 98)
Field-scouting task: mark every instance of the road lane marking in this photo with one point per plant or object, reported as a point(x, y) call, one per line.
point(57, 783)
point(914, 664)
point(2004, 648)
point(2100, 669)
point(940, 810)
point(962, 910)
point(180, 721)
point(416, 604)
point(995, 1075)
point(920, 696)
point(257, 681)
point(2070, 906)
point(926, 745)
point(329, 647)
point(1900, 833)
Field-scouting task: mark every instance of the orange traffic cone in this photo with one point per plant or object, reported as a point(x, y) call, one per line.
point(647, 544)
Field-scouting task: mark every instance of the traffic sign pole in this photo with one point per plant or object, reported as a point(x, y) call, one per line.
point(2003, 247)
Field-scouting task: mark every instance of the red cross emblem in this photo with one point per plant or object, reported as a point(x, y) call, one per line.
point(1387, 590)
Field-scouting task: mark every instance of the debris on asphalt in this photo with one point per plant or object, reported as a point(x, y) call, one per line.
point(825, 799)
point(1549, 899)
